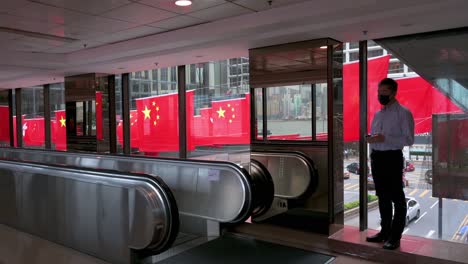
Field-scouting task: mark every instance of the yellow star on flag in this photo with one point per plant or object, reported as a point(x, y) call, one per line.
point(62, 122)
point(154, 103)
point(220, 112)
point(146, 112)
point(157, 108)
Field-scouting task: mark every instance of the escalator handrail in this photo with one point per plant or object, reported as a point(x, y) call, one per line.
point(153, 187)
point(310, 165)
point(241, 173)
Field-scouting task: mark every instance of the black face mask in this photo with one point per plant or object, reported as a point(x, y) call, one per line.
point(384, 99)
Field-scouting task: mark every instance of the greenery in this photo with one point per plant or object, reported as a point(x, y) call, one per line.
point(351, 205)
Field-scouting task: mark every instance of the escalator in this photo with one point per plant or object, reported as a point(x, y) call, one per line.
point(107, 214)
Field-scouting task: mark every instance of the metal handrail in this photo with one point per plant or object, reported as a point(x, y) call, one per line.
point(99, 212)
point(212, 190)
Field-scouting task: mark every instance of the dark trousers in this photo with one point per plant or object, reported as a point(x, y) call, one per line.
point(387, 171)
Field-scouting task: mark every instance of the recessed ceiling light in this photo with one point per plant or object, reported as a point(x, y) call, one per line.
point(323, 47)
point(121, 68)
point(199, 56)
point(183, 2)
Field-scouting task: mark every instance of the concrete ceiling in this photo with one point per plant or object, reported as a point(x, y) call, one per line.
point(41, 41)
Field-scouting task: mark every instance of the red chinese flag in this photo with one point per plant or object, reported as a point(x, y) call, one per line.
point(33, 132)
point(60, 131)
point(377, 70)
point(120, 132)
point(202, 128)
point(190, 119)
point(423, 100)
point(158, 123)
point(4, 124)
point(134, 131)
point(231, 120)
point(99, 135)
point(135, 137)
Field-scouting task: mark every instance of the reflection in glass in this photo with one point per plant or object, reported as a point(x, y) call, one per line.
point(218, 111)
point(4, 119)
point(154, 127)
point(258, 114)
point(32, 108)
point(58, 117)
point(289, 112)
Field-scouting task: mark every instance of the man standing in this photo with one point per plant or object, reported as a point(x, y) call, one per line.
point(392, 129)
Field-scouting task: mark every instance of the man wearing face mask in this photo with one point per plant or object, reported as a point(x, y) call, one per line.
point(392, 129)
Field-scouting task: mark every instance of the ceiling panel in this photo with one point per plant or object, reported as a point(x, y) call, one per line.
point(138, 13)
point(27, 44)
point(103, 24)
point(129, 34)
point(76, 32)
point(170, 5)
point(94, 7)
point(76, 46)
point(180, 21)
point(5, 36)
point(263, 5)
point(8, 5)
point(26, 24)
point(220, 12)
point(8, 72)
point(49, 13)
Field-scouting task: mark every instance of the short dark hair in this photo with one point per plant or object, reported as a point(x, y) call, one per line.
point(392, 85)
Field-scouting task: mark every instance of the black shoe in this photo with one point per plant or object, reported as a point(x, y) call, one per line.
point(378, 238)
point(391, 245)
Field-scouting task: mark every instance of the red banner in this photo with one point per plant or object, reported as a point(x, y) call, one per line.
point(99, 120)
point(59, 130)
point(33, 132)
point(226, 122)
point(4, 124)
point(158, 123)
point(423, 100)
point(377, 70)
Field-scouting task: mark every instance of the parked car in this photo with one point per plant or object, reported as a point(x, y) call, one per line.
point(353, 168)
point(414, 210)
point(409, 166)
point(428, 176)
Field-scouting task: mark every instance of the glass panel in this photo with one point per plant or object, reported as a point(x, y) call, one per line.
point(375, 53)
point(119, 110)
point(289, 112)
point(154, 115)
point(259, 113)
point(435, 167)
point(58, 128)
point(32, 107)
point(218, 113)
point(4, 119)
point(322, 111)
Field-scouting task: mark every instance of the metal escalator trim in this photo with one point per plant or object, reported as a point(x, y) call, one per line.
point(264, 188)
point(308, 184)
point(158, 196)
point(242, 203)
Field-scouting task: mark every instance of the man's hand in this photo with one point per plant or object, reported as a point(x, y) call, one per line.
point(377, 138)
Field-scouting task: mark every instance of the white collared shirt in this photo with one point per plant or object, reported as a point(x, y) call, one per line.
point(396, 123)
